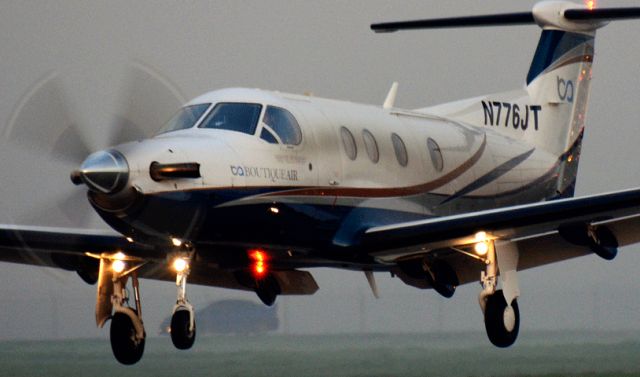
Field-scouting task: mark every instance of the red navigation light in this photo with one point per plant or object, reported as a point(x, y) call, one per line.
point(590, 4)
point(258, 263)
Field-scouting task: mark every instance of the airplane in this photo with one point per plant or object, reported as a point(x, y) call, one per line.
point(249, 189)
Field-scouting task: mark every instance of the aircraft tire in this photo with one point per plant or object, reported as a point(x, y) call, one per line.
point(497, 313)
point(181, 337)
point(123, 344)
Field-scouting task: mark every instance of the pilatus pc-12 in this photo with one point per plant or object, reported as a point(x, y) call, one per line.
point(250, 189)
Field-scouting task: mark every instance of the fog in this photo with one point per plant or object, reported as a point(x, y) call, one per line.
point(328, 49)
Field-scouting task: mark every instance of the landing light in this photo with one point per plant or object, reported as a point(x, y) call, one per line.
point(274, 210)
point(180, 264)
point(481, 248)
point(118, 266)
point(119, 256)
point(177, 242)
point(481, 236)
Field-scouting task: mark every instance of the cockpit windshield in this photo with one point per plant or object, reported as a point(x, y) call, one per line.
point(185, 118)
point(280, 126)
point(239, 117)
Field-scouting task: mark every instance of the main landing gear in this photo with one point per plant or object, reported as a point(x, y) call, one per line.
point(500, 307)
point(127, 332)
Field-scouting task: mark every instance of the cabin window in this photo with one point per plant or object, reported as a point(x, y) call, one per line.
point(400, 149)
point(280, 125)
point(436, 154)
point(371, 146)
point(349, 143)
point(186, 117)
point(239, 117)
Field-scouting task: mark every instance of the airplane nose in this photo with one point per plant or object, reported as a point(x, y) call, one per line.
point(105, 171)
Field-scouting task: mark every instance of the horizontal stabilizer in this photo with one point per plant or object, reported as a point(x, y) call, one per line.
point(604, 14)
point(560, 11)
point(470, 21)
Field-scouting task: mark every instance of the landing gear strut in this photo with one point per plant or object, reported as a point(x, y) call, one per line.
point(500, 307)
point(127, 333)
point(183, 323)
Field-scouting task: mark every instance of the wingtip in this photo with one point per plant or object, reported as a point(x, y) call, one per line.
point(381, 29)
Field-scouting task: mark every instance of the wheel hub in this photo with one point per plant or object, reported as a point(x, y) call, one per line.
point(509, 318)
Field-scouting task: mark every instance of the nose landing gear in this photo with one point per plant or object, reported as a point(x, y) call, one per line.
point(183, 323)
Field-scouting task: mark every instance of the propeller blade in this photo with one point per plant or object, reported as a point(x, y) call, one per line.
point(43, 115)
point(77, 209)
point(70, 147)
point(69, 209)
point(149, 100)
point(29, 255)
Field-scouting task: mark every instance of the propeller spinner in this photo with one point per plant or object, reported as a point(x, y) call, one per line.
point(106, 172)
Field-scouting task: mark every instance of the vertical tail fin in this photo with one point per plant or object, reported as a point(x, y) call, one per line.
point(559, 80)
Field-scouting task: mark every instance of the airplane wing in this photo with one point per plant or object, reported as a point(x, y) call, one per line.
point(78, 250)
point(544, 232)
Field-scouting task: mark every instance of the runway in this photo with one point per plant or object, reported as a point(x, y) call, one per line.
point(449, 354)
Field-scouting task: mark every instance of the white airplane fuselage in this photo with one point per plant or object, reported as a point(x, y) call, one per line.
point(314, 195)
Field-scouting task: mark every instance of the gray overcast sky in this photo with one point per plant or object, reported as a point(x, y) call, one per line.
point(325, 48)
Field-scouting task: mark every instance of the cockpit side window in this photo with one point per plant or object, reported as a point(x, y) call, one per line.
point(280, 124)
point(239, 117)
point(186, 117)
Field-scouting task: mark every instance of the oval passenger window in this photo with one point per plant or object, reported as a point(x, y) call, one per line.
point(400, 149)
point(436, 154)
point(371, 146)
point(349, 143)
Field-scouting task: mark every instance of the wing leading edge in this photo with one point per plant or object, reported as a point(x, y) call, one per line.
point(545, 232)
point(77, 250)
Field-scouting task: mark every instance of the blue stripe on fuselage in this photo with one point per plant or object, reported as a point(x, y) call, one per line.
point(490, 176)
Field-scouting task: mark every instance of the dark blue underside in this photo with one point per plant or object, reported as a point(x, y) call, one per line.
point(323, 230)
point(198, 216)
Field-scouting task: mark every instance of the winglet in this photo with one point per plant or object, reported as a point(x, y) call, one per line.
point(372, 283)
point(390, 101)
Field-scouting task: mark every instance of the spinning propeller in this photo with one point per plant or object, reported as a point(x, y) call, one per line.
point(43, 123)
